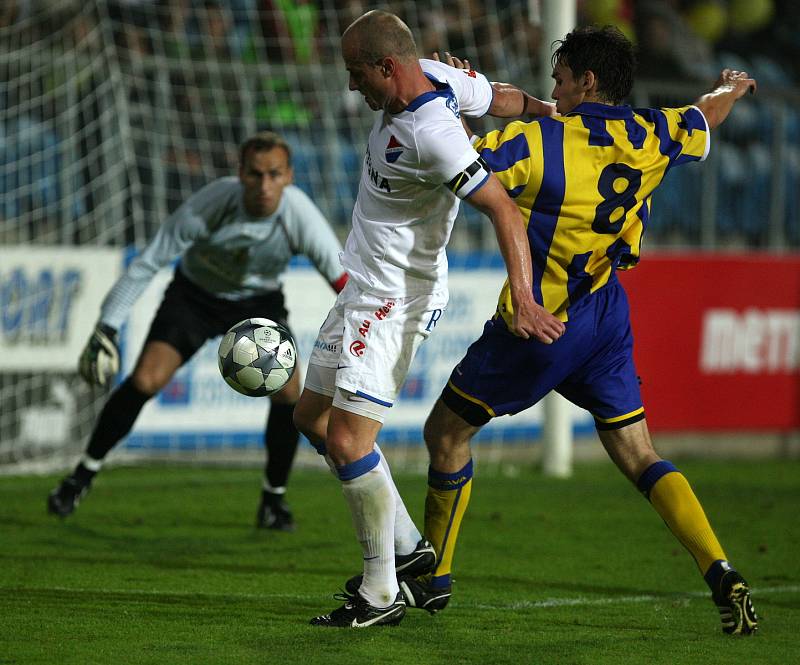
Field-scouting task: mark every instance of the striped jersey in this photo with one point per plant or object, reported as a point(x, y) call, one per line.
point(584, 183)
point(227, 252)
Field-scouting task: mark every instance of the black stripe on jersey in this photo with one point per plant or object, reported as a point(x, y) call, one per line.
point(478, 169)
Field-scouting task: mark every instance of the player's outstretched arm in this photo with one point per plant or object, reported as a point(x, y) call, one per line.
point(508, 101)
point(529, 318)
point(730, 86)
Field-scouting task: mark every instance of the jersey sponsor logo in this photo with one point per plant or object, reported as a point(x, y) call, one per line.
point(364, 329)
point(754, 341)
point(357, 348)
point(381, 182)
point(471, 73)
point(323, 346)
point(393, 150)
point(382, 312)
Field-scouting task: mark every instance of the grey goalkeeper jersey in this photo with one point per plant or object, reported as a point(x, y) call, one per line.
point(227, 252)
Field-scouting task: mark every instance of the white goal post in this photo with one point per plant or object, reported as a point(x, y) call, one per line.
point(558, 18)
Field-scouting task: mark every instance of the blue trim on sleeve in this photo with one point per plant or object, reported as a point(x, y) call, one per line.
point(442, 90)
point(373, 399)
point(653, 474)
point(450, 481)
point(359, 467)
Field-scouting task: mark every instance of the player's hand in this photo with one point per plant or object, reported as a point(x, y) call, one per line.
point(100, 359)
point(452, 60)
point(532, 320)
point(737, 82)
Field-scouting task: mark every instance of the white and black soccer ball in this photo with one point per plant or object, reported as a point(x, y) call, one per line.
point(257, 357)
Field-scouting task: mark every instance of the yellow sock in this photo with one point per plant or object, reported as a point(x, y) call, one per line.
point(445, 505)
point(672, 497)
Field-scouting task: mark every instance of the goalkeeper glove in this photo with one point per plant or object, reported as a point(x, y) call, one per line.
point(100, 359)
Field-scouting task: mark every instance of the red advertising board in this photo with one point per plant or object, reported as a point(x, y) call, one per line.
point(717, 340)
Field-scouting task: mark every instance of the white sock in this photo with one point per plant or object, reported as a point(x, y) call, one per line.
point(406, 534)
point(371, 501)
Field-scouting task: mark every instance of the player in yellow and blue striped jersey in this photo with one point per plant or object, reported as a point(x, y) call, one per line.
point(584, 180)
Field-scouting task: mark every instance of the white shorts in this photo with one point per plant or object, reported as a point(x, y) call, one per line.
point(371, 341)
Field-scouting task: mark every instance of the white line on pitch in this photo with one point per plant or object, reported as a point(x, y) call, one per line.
point(516, 605)
point(615, 600)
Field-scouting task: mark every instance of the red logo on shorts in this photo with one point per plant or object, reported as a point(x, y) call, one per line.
point(381, 312)
point(357, 348)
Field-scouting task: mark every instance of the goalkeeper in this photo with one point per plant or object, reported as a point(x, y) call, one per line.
point(235, 238)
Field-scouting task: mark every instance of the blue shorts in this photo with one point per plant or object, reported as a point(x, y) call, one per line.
point(591, 365)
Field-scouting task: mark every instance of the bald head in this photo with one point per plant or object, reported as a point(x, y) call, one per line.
point(378, 34)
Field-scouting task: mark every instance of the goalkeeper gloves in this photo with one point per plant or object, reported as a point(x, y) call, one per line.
point(100, 359)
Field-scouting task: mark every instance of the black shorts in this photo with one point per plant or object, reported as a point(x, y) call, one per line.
point(189, 315)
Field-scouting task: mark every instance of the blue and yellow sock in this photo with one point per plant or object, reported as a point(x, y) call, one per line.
point(672, 497)
point(445, 505)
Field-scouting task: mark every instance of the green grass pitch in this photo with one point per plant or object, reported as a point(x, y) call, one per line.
point(161, 564)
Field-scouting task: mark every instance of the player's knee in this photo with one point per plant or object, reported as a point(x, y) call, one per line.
point(432, 433)
point(300, 418)
point(149, 381)
point(447, 434)
point(435, 431)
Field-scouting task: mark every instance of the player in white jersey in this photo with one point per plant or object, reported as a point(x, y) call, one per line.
point(235, 238)
point(418, 164)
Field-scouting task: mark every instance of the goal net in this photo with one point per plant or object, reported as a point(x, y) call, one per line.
point(112, 113)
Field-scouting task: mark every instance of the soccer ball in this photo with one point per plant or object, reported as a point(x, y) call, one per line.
point(257, 357)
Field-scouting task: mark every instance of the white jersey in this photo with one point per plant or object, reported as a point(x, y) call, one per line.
point(404, 212)
point(225, 251)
